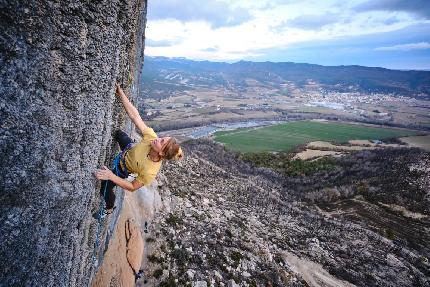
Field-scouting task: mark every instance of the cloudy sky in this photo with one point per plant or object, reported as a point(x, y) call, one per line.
point(378, 33)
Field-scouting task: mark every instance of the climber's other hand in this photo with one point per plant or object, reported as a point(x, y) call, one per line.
point(104, 174)
point(119, 92)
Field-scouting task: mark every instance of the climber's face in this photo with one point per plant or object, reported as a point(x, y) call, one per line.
point(159, 143)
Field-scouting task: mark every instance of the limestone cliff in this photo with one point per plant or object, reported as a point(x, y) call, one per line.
point(59, 62)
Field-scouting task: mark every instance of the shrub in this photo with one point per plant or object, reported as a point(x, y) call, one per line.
point(170, 282)
point(283, 163)
point(155, 259)
point(181, 255)
point(389, 233)
point(157, 273)
point(174, 220)
point(236, 257)
point(362, 187)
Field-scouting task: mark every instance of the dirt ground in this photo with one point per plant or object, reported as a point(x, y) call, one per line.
point(418, 141)
point(314, 274)
point(318, 149)
point(326, 145)
point(311, 153)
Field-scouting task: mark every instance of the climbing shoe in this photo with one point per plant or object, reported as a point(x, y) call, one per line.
point(139, 275)
point(103, 214)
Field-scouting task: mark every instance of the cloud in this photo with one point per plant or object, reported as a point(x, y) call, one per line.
point(357, 50)
point(211, 49)
point(208, 32)
point(417, 7)
point(161, 43)
point(405, 47)
point(391, 20)
point(312, 22)
point(216, 13)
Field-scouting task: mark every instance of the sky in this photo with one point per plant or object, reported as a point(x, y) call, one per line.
point(393, 34)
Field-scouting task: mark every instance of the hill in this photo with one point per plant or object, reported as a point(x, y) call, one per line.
point(161, 76)
point(225, 221)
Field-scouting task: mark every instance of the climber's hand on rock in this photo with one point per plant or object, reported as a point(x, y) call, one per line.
point(119, 92)
point(104, 174)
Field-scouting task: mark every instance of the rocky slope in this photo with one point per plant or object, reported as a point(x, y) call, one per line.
point(226, 223)
point(59, 63)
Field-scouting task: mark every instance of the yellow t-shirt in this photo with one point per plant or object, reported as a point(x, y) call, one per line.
point(138, 161)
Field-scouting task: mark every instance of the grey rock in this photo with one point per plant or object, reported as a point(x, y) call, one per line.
point(200, 284)
point(232, 283)
point(246, 274)
point(217, 275)
point(59, 63)
point(190, 273)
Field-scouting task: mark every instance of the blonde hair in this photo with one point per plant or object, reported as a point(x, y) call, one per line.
point(172, 150)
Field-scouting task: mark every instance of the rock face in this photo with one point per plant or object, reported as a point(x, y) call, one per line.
point(59, 63)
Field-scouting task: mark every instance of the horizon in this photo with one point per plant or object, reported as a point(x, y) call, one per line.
point(388, 34)
point(275, 62)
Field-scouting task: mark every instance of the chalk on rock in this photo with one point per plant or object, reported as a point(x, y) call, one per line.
point(200, 284)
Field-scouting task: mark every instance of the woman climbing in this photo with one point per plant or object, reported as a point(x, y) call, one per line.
point(143, 158)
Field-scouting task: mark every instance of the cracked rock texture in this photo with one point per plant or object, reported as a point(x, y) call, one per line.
point(59, 62)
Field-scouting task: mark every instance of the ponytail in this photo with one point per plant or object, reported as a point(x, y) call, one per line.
point(172, 150)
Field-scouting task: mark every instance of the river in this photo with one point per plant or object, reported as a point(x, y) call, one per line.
point(204, 131)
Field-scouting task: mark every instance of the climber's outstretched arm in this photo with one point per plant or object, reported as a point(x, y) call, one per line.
point(107, 174)
point(131, 110)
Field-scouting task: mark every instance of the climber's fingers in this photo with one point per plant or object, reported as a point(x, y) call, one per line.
point(99, 175)
point(118, 89)
point(103, 174)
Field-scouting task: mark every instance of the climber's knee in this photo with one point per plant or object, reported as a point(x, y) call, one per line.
point(122, 138)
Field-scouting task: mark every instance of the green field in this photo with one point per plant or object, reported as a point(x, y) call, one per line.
point(285, 137)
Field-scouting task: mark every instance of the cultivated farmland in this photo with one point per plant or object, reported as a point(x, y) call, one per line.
point(285, 137)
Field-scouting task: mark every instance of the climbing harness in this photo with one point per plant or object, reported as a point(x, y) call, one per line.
point(121, 172)
point(122, 159)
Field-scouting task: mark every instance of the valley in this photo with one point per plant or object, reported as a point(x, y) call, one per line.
point(182, 93)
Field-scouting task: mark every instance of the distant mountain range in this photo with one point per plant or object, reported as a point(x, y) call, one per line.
point(163, 77)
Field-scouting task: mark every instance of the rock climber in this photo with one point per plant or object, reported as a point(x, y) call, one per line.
point(143, 158)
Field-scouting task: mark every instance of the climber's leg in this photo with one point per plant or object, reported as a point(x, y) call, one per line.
point(122, 138)
point(109, 195)
point(106, 189)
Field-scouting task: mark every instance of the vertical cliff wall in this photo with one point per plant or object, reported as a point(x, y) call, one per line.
point(59, 62)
